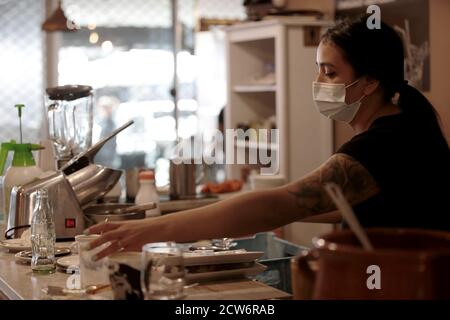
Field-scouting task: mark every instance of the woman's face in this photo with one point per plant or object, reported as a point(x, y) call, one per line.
point(333, 68)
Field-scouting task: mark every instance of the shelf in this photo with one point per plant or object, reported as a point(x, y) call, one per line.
point(254, 88)
point(255, 145)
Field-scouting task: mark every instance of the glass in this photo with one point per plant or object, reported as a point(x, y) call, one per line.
point(43, 235)
point(91, 272)
point(70, 120)
point(163, 272)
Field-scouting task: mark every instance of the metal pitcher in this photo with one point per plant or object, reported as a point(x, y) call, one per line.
point(183, 179)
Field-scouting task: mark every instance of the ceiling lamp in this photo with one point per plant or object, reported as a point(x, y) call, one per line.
point(59, 22)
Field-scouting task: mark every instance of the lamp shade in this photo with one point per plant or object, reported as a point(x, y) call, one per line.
point(58, 22)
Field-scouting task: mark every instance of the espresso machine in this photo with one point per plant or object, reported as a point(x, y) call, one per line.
point(78, 183)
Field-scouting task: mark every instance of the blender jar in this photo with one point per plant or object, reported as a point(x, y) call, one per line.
point(70, 120)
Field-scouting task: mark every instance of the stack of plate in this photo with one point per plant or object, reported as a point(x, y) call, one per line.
point(15, 245)
point(207, 265)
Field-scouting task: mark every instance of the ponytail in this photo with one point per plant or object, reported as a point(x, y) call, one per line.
point(413, 103)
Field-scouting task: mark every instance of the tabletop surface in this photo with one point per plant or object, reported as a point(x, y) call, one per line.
point(18, 282)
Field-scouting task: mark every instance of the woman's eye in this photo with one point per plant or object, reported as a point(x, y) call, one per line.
point(330, 74)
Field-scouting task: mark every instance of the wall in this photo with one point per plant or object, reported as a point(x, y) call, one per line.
point(439, 94)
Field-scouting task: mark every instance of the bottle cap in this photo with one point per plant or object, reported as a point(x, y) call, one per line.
point(146, 175)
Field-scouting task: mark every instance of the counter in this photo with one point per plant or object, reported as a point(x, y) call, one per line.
point(18, 282)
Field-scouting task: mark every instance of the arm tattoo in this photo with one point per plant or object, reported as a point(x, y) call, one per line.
point(355, 181)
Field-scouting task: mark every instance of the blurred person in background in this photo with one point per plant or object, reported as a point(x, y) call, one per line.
point(106, 107)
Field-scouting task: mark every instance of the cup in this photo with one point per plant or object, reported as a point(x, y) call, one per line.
point(163, 273)
point(125, 275)
point(91, 272)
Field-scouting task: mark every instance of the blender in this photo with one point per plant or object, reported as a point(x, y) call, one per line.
point(70, 120)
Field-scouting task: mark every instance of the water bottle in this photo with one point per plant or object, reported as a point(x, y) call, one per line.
point(43, 235)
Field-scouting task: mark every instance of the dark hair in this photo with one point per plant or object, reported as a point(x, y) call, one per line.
point(378, 53)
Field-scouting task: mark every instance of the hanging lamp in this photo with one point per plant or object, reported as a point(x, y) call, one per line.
point(59, 22)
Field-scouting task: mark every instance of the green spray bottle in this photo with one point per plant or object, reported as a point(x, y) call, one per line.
point(23, 168)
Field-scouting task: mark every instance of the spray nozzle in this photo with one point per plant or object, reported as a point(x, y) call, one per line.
point(19, 110)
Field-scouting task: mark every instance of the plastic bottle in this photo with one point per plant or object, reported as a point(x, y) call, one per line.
point(147, 192)
point(43, 235)
point(23, 169)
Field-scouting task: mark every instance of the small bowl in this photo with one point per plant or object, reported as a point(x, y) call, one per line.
point(100, 212)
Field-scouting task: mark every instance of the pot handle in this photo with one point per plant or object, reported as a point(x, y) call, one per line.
point(303, 277)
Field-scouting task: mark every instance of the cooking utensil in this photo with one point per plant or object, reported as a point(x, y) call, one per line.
point(115, 212)
point(335, 192)
point(60, 291)
point(145, 206)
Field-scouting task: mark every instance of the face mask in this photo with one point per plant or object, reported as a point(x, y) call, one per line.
point(329, 99)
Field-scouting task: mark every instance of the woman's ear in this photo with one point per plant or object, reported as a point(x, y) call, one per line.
point(371, 85)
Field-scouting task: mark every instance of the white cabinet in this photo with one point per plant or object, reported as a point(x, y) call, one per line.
point(305, 137)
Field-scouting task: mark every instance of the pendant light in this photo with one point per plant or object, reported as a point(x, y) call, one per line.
point(58, 22)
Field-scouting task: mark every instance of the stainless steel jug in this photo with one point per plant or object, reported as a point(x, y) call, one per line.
point(183, 179)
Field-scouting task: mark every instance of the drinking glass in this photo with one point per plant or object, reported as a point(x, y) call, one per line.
point(91, 272)
point(163, 273)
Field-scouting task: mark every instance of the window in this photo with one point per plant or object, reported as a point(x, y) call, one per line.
point(21, 67)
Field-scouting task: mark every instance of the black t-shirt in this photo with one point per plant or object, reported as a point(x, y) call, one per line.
point(410, 161)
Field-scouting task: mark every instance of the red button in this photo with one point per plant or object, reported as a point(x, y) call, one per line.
point(71, 223)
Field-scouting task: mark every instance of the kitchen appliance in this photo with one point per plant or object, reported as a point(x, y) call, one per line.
point(70, 120)
point(71, 189)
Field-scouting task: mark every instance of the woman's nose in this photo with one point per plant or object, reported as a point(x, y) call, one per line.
point(319, 78)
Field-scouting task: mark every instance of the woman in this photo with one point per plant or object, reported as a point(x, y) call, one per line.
point(390, 171)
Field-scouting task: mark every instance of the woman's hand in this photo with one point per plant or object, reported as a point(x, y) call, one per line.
point(123, 236)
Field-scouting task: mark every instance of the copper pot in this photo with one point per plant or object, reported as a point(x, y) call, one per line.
point(413, 264)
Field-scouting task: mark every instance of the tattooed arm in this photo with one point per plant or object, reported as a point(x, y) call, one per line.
point(248, 213)
point(356, 182)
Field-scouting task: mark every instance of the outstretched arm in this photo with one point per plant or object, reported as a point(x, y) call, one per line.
point(248, 213)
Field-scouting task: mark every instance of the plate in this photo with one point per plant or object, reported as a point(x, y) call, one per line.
point(196, 258)
point(68, 262)
point(25, 256)
point(255, 269)
point(14, 245)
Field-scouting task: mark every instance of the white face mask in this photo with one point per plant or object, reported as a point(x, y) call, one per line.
point(329, 99)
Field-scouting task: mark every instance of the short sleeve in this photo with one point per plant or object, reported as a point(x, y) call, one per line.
point(377, 153)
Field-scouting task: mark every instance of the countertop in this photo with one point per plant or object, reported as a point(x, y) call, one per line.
point(18, 282)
